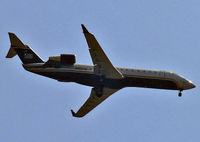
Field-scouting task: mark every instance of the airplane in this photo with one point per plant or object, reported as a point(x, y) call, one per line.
point(102, 76)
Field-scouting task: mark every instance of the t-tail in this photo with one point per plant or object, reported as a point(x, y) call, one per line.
point(25, 53)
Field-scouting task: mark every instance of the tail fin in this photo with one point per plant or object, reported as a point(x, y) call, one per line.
point(25, 53)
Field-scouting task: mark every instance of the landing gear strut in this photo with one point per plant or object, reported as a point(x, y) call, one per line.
point(180, 93)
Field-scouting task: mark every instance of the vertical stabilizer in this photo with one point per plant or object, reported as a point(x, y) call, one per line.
point(25, 53)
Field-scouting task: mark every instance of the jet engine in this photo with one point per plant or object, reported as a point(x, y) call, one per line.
point(65, 59)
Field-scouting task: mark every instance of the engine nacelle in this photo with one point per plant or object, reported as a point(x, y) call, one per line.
point(65, 59)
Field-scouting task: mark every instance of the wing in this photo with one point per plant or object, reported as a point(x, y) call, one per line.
point(93, 101)
point(103, 66)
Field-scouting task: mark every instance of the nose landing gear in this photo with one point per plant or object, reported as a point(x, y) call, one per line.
point(180, 93)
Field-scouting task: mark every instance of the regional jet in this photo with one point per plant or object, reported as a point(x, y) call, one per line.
point(102, 76)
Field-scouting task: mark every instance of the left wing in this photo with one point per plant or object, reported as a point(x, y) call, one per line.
point(93, 101)
point(102, 64)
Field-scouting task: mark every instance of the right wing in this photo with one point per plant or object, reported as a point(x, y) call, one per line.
point(102, 64)
point(93, 101)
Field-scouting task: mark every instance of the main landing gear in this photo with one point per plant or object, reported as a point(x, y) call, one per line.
point(180, 93)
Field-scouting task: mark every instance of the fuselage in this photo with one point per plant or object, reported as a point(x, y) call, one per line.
point(84, 74)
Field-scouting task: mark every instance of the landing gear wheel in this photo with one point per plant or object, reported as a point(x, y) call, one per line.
point(180, 94)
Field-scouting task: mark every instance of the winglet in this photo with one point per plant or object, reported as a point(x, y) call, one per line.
point(73, 113)
point(84, 29)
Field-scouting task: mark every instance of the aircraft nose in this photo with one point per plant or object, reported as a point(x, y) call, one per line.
point(191, 84)
point(188, 85)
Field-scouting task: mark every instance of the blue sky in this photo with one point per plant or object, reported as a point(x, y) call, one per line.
point(162, 35)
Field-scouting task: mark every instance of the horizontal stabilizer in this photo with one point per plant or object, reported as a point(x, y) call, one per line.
point(11, 53)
